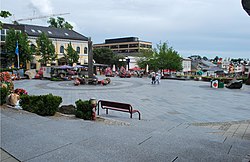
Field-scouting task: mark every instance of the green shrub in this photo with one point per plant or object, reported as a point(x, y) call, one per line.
point(56, 79)
point(4, 93)
point(84, 109)
point(44, 105)
point(79, 114)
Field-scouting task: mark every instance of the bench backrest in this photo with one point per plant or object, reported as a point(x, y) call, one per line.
point(116, 105)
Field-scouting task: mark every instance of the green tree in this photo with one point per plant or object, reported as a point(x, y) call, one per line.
point(71, 55)
point(147, 57)
point(104, 56)
point(4, 14)
point(25, 53)
point(10, 46)
point(168, 58)
point(45, 49)
point(163, 57)
point(59, 23)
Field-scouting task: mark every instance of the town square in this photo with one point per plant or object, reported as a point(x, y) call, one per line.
point(187, 120)
point(124, 81)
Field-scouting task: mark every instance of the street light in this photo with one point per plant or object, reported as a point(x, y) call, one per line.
point(127, 61)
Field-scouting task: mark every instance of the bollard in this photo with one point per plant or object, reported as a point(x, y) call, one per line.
point(93, 103)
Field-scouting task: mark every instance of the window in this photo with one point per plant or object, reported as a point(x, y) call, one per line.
point(18, 31)
point(33, 30)
point(3, 32)
point(133, 45)
point(49, 32)
point(39, 31)
point(62, 49)
point(85, 50)
point(143, 45)
point(78, 49)
point(114, 46)
point(123, 46)
point(33, 48)
point(66, 34)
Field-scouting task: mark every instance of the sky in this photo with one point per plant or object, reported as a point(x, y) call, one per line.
point(192, 27)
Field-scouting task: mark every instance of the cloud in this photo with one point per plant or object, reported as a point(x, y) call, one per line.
point(188, 25)
point(44, 7)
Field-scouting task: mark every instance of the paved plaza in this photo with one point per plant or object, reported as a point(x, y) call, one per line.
point(181, 121)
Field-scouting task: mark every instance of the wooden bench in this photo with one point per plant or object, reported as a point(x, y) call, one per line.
point(117, 106)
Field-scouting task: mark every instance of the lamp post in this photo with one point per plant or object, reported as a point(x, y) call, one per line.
point(90, 59)
point(127, 61)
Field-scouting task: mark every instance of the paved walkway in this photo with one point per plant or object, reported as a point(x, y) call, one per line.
point(181, 121)
point(6, 157)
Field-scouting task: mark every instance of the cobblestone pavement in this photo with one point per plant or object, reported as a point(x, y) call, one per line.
point(181, 121)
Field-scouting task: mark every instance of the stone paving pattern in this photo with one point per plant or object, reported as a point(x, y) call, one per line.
point(181, 121)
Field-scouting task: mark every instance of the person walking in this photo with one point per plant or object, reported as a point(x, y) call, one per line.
point(153, 78)
point(157, 78)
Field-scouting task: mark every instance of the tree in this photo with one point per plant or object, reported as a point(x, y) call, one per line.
point(71, 55)
point(25, 53)
point(10, 46)
point(4, 14)
point(168, 58)
point(205, 58)
point(104, 56)
point(45, 49)
point(163, 57)
point(147, 57)
point(59, 23)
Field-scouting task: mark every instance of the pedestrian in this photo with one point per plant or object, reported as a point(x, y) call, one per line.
point(157, 78)
point(153, 78)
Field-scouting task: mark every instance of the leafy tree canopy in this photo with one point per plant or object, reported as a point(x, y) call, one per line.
point(59, 23)
point(45, 49)
point(163, 57)
point(71, 55)
point(25, 53)
point(104, 56)
point(4, 14)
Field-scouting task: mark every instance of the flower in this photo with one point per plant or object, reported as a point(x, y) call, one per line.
point(20, 91)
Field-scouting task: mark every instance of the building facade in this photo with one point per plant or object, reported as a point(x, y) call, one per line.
point(127, 45)
point(60, 38)
point(186, 65)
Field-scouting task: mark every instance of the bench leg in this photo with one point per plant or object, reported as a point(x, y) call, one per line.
point(107, 111)
point(98, 110)
point(139, 115)
point(131, 115)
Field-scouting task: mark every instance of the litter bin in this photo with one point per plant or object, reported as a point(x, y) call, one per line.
point(221, 85)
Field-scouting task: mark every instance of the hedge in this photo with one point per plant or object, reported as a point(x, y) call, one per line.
point(83, 109)
point(44, 105)
point(4, 92)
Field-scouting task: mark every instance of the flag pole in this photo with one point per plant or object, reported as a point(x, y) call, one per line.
point(18, 66)
point(17, 53)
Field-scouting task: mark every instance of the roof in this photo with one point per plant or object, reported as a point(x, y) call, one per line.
point(34, 30)
point(207, 63)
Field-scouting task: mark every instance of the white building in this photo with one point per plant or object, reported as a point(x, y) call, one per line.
point(186, 65)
